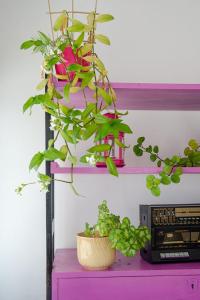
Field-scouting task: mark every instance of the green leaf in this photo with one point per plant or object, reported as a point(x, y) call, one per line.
point(39, 99)
point(193, 144)
point(103, 39)
point(167, 169)
point(84, 158)
point(137, 150)
point(120, 144)
point(175, 178)
point(150, 178)
point(140, 140)
point(74, 67)
point(79, 40)
point(42, 84)
point(36, 161)
point(155, 191)
point(89, 109)
point(51, 62)
point(28, 103)
point(64, 150)
point(44, 177)
point(111, 166)
point(99, 148)
point(124, 128)
point(88, 77)
point(44, 38)
point(149, 149)
point(52, 154)
point(60, 22)
point(100, 119)
point(50, 143)
point(159, 163)
point(27, 44)
point(102, 131)
point(165, 180)
point(153, 157)
point(77, 26)
point(85, 50)
point(155, 149)
point(106, 97)
point(178, 171)
point(66, 91)
point(104, 18)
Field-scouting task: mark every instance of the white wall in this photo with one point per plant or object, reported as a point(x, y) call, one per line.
point(152, 41)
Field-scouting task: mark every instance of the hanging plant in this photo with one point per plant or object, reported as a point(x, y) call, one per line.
point(71, 56)
point(172, 167)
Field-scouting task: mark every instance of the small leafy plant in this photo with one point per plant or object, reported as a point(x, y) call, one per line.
point(123, 235)
point(171, 166)
point(87, 71)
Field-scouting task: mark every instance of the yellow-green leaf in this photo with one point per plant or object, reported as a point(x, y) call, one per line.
point(104, 18)
point(90, 18)
point(66, 91)
point(90, 58)
point(74, 90)
point(85, 49)
point(61, 22)
point(103, 39)
point(106, 97)
point(111, 166)
point(77, 26)
point(42, 84)
point(62, 77)
point(79, 40)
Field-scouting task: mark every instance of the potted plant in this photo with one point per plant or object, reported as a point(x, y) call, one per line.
point(97, 245)
point(172, 167)
point(72, 53)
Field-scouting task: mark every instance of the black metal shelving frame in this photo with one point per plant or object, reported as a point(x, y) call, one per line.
point(49, 134)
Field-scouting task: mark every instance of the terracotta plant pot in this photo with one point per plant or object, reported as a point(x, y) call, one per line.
point(95, 253)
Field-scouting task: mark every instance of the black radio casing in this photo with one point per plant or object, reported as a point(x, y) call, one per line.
point(175, 232)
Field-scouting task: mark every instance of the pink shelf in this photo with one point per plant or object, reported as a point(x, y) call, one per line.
point(56, 169)
point(147, 96)
point(66, 265)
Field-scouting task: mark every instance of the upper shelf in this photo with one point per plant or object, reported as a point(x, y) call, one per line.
point(147, 96)
point(56, 169)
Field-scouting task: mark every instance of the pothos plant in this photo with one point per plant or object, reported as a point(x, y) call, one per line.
point(172, 167)
point(123, 235)
point(87, 71)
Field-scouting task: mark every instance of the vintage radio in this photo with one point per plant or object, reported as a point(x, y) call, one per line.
point(175, 232)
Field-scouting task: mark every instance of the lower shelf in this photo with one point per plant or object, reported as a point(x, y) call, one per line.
point(128, 278)
point(56, 169)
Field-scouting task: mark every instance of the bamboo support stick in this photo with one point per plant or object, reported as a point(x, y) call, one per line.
point(70, 12)
point(51, 21)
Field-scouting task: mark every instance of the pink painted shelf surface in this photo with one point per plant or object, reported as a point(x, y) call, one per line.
point(56, 169)
point(147, 96)
point(128, 279)
point(66, 265)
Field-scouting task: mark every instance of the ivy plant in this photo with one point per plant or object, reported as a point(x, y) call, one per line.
point(87, 71)
point(172, 167)
point(124, 237)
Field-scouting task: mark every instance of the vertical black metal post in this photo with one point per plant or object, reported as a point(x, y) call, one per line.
point(49, 214)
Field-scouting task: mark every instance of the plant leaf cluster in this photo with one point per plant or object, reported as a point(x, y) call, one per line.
point(123, 235)
point(86, 71)
point(171, 166)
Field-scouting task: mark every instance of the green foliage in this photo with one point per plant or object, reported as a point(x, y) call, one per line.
point(123, 235)
point(171, 167)
point(103, 39)
point(72, 125)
